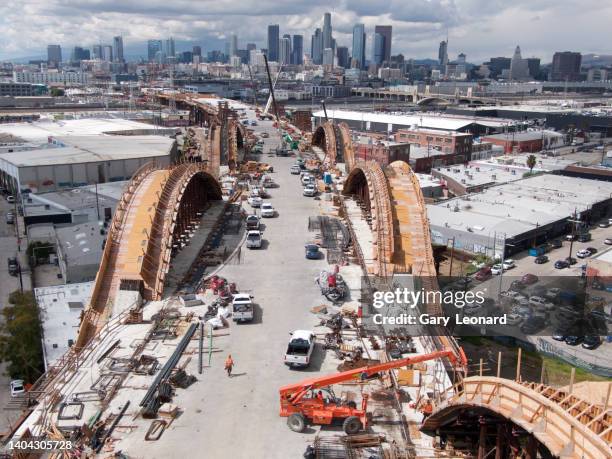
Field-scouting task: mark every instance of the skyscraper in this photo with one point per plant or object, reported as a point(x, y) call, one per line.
point(169, 48)
point(233, 49)
point(79, 54)
point(54, 55)
point(359, 45)
point(343, 57)
point(251, 46)
point(273, 36)
point(284, 51)
point(118, 49)
point(197, 51)
point(297, 54)
point(328, 57)
point(385, 31)
point(533, 64)
point(316, 47)
point(378, 49)
point(153, 47)
point(97, 52)
point(107, 53)
point(327, 31)
point(443, 54)
point(518, 66)
point(566, 66)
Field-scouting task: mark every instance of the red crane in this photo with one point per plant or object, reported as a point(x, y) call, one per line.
point(312, 400)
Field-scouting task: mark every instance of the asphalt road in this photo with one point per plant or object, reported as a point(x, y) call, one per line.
point(238, 417)
point(8, 284)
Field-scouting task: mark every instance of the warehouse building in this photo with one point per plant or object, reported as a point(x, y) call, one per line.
point(49, 155)
point(524, 213)
point(392, 122)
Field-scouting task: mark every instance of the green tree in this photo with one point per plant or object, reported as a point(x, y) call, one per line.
point(531, 162)
point(57, 92)
point(21, 337)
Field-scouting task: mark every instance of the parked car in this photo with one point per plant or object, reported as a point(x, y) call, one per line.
point(295, 169)
point(252, 222)
point(17, 387)
point(571, 237)
point(483, 273)
point(585, 237)
point(604, 224)
point(309, 190)
point(608, 241)
point(517, 285)
point(10, 199)
point(573, 340)
point(496, 269)
point(255, 201)
point(253, 240)
point(10, 218)
point(13, 266)
point(514, 319)
point(473, 309)
point(556, 243)
point(591, 342)
point(508, 264)
point(583, 253)
point(571, 261)
point(552, 293)
point(300, 348)
point(306, 179)
point(242, 307)
point(267, 210)
point(312, 251)
point(561, 264)
point(529, 279)
point(541, 260)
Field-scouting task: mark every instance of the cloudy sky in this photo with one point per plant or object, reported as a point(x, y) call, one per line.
point(479, 28)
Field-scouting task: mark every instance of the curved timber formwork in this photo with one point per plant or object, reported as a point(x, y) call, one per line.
point(347, 146)
point(566, 425)
point(154, 207)
point(236, 134)
point(325, 138)
point(367, 181)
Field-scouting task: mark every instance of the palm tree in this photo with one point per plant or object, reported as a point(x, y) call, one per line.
point(531, 162)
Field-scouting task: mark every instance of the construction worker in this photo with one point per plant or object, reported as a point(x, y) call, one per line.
point(427, 409)
point(229, 364)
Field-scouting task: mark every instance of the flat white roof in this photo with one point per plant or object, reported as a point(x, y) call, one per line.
point(61, 306)
point(86, 149)
point(425, 121)
point(520, 206)
point(42, 129)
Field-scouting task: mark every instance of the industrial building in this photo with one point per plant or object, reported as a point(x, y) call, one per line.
point(392, 122)
point(528, 141)
point(444, 141)
point(53, 155)
point(481, 174)
point(524, 213)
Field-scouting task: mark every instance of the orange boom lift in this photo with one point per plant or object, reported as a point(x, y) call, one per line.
point(313, 401)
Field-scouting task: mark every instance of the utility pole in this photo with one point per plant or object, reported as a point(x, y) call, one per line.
point(450, 269)
point(97, 202)
point(501, 272)
point(573, 221)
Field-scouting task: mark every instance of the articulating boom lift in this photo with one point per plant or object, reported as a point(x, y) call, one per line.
point(300, 404)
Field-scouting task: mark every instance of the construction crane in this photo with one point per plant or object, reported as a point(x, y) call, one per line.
point(304, 401)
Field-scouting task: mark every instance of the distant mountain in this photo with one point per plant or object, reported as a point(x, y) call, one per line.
point(426, 61)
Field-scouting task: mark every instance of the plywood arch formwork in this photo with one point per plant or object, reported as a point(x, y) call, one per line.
point(152, 212)
point(566, 425)
point(368, 183)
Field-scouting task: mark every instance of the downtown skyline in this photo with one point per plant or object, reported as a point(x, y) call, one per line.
point(418, 26)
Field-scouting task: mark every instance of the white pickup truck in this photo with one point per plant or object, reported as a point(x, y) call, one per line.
point(300, 348)
point(242, 307)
